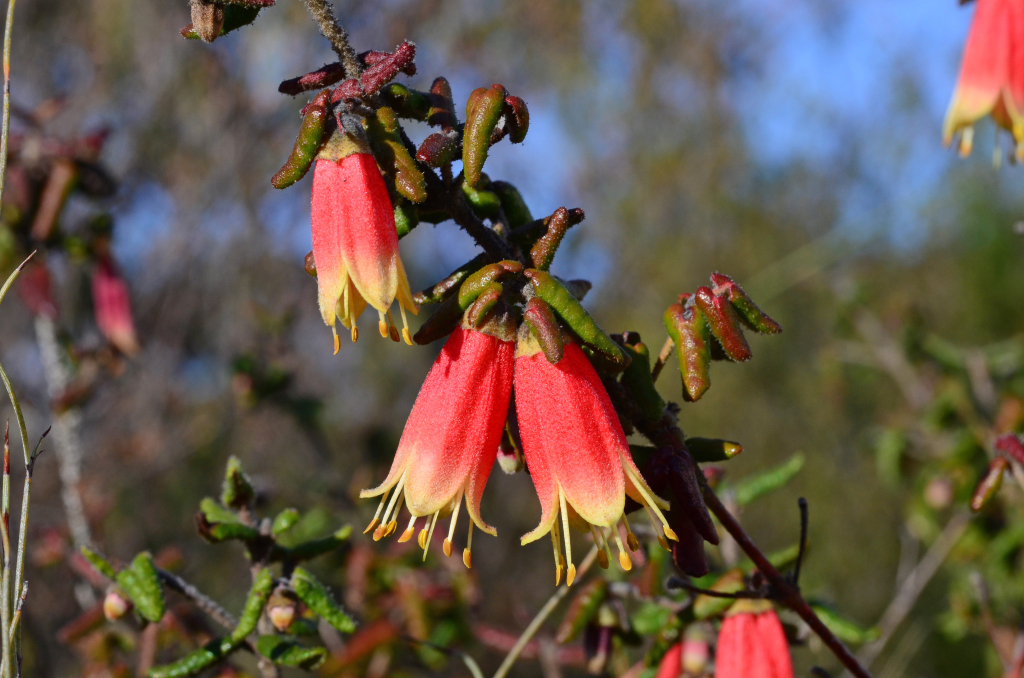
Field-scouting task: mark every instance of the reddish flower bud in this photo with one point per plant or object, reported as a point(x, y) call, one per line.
point(115, 605)
point(991, 78)
point(576, 452)
point(450, 440)
point(671, 665)
point(752, 644)
point(112, 306)
point(355, 244)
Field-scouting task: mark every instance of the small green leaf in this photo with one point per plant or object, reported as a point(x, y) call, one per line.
point(753, 487)
point(215, 513)
point(237, 492)
point(318, 598)
point(258, 595)
point(711, 449)
point(845, 630)
point(141, 583)
point(99, 563)
point(285, 652)
point(650, 618)
point(709, 606)
point(314, 548)
point(284, 521)
point(215, 651)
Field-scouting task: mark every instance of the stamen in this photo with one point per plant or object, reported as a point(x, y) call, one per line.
point(966, 141)
point(631, 540)
point(382, 324)
point(378, 534)
point(337, 339)
point(407, 535)
point(430, 535)
point(624, 562)
point(654, 524)
point(651, 506)
point(355, 333)
point(405, 325)
point(421, 539)
point(571, 572)
point(394, 498)
point(467, 553)
point(558, 554)
point(373, 523)
point(602, 553)
point(392, 330)
point(447, 546)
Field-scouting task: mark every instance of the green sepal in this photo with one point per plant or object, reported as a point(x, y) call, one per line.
point(307, 143)
point(405, 101)
point(482, 113)
point(393, 157)
point(485, 301)
point(710, 606)
point(475, 284)
point(195, 662)
point(516, 211)
point(407, 217)
point(582, 609)
point(215, 513)
point(284, 521)
point(689, 331)
point(486, 204)
point(235, 17)
point(254, 603)
point(141, 584)
point(541, 323)
point(285, 652)
point(100, 563)
point(748, 312)
point(758, 485)
point(705, 450)
point(318, 599)
point(724, 323)
point(844, 629)
point(566, 307)
point(237, 491)
point(637, 378)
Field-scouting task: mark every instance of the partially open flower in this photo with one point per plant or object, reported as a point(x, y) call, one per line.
point(113, 307)
point(355, 244)
point(115, 605)
point(450, 441)
point(752, 643)
point(992, 74)
point(577, 454)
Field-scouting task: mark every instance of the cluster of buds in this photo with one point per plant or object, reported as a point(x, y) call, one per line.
point(991, 78)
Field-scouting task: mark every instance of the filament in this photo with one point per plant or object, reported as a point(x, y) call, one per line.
point(570, 574)
point(407, 535)
point(430, 535)
point(373, 523)
point(467, 553)
point(447, 546)
point(405, 325)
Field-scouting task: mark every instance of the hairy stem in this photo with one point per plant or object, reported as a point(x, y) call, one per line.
point(323, 14)
point(202, 601)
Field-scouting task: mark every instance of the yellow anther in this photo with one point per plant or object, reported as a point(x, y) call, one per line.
point(422, 538)
point(355, 334)
point(393, 333)
point(467, 558)
point(447, 548)
point(373, 524)
point(670, 533)
point(378, 534)
point(624, 562)
point(406, 335)
point(337, 340)
point(602, 559)
point(571, 576)
point(430, 535)
point(392, 526)
point(632, 542)
point(407, 535)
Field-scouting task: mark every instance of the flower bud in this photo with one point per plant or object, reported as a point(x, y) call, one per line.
point(387, 67)
point(115, 605)
point(748, 312)
point(724, 323)
point(393, 157)
point(517, 119)
point(438, 149)
point(695, 650)
point(307, 143)
point(543, 251)
point(281, 610)
point(540, 322)
point(689, 330)
point(482, 113)
point(442, 106)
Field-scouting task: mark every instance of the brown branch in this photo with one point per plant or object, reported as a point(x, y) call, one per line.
point(202, 601)
point(323, 14)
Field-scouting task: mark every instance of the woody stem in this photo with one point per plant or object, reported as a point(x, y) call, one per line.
point(786, 593)
point(323, 15)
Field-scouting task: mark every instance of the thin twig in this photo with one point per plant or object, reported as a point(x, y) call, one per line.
point(538, 621)
point(803, 541)
point(16, 620)
point(8, 27)
point(659, 365)
point(679, 583)
point(787, 594)
point(914, 585)
point(202, 601)
point(323, 14)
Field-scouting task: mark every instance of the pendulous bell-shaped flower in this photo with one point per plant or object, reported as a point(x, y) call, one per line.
point(113, 307)
point(991, 78)
point(355, 244)
point(752, 644)
point(450, 441)
point(577, 454)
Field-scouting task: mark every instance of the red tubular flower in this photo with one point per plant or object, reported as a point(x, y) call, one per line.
point(671, 665)
point(112, 306)
point(450, 441)
point(577, 453)
point(355, 244)
point(752, 644)
point(992, 74)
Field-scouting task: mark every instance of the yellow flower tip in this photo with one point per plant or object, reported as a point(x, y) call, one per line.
point(602, 559)
point(671, 534)
point(406, 335)
point(355, 334)
point(378, 534)
point(407, 535)
point(624, 562)
point(422, 538)
point(383, 327)
point(393, 333)
point(373, 524)
point(558, 574)
point(447, 548)
point(664, 544)
point(337, 341)
point(467, 558)
point(632, 542)
point(966, 142)
point(570, 576)
point(392, 526)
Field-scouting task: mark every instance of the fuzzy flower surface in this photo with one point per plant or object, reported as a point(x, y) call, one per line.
point(752, 644)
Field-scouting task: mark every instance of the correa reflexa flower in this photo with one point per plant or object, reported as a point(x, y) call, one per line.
point(752, 643)
point(577, 454)
point(112, 306)
point(450, 441)
point(355, 244)
point(992, 74)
